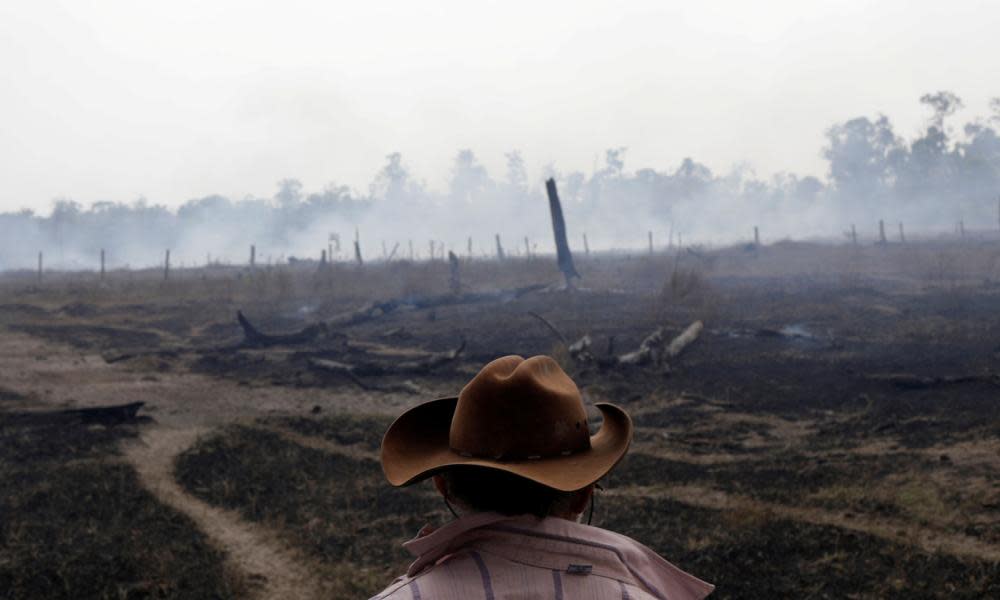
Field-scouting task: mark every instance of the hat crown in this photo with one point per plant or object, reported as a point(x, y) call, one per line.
point(517, 409)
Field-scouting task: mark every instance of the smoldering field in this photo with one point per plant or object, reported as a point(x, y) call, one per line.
point(833, 432)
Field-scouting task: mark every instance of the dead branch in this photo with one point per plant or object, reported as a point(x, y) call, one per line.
point(349, 372)
point(551, 327)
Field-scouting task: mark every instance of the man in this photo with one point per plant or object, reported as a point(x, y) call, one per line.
point(514, 455)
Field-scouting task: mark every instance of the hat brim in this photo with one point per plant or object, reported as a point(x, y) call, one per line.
point(416, 447)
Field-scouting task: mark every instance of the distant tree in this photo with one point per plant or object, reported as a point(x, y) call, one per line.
point(289, 193)
point(468, 178)
point(393, 183)
point(944, 104)
point(517, 173)
point(863, 155)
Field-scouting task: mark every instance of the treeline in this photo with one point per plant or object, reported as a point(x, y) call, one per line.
point(947, 173)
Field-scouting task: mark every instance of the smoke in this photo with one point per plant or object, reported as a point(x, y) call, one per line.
point(929, 182)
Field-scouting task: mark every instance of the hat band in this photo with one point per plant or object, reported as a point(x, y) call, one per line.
point(515, 457)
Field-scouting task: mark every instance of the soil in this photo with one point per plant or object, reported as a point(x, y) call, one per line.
point(779, 431)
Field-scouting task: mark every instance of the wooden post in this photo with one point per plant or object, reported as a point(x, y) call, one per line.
point(166, 266)
point(453, 277)
point(881, 232)
point(430, 245)
point(322, 258)
point(470, 247)
point(563, 255)
point(357, 253)
point(756, 237)
point(500, 254)
point(854, 235)
point(253, 256)
point(102, 264)
point(411, 250)
point(586, 246)
point(39, 267)
point(902, 236)
point(650, 235)
point(527, 248)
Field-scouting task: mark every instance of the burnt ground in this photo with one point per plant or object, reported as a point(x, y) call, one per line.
point(834, 431)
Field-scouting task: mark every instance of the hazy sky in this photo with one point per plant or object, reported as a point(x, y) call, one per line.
point(111, 100)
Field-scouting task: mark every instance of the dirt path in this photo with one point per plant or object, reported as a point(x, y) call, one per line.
point(184, 406)
point(893, 530)
point(272, 569)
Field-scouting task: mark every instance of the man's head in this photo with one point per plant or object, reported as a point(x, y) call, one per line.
point(516, 441)
point(476, 489)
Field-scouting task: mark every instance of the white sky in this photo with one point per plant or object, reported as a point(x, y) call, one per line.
point(110, 100)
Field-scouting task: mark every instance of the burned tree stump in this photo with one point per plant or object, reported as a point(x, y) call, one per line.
point(563, 255)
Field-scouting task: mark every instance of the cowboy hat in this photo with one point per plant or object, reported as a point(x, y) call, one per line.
point(525, 417)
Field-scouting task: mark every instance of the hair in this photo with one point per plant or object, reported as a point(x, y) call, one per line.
point(482, 489)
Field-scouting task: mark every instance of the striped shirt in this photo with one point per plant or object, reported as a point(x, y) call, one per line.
point(488, 556)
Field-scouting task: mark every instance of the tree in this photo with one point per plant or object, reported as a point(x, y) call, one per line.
point(517, 173)
point(393, 183)
point(863, 155)
point(468, 178)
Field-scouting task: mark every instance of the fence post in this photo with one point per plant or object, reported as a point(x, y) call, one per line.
point(500, 253)
point(166, 265)
point(756, 237)
point(102, 264)
point(881, 232)
point(650, 235)
point(39, 267)
point(854, 235)
point(253, 256)
point(586, 246)
point(902, 236)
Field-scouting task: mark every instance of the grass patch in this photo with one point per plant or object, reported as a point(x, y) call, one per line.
point(758, 556)
point(77, 524)
point(335, 507)
point(346, 429)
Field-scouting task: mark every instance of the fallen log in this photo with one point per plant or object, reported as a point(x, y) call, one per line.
point(579, 350)
point(685, 339)
point(108, 415)
point(909, 381)
point(650, 350)
point(114, 414)
point(254, 338)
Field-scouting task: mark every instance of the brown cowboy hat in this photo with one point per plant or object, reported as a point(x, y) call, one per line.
point(525, 417)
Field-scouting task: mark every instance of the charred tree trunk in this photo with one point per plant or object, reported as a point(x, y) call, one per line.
point(563, 255)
